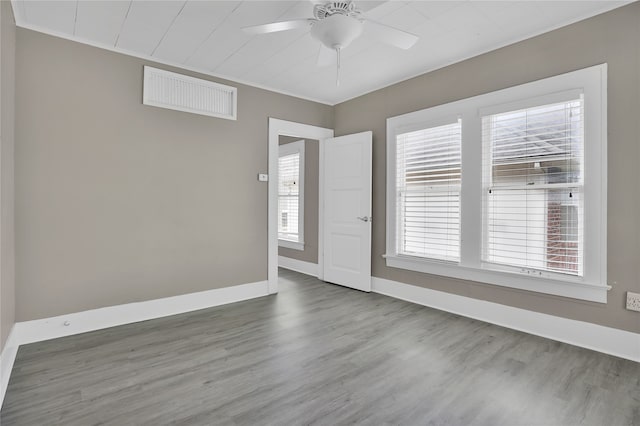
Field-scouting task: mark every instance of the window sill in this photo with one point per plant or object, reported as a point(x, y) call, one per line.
point(575, 289)
point(295, 245)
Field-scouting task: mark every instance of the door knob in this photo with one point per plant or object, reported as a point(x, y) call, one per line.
point(365, 218)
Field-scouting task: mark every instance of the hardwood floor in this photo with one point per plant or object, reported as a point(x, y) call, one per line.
point(317, 354)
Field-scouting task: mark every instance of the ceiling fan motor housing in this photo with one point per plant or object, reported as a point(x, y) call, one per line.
point(337, 31)
point(323, 10)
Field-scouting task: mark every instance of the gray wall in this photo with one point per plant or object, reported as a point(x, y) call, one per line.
point(7, 96)
point(614, 38)
point(118, 202)
point(311, 175)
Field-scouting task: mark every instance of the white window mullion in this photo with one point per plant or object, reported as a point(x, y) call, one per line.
point(471, 193)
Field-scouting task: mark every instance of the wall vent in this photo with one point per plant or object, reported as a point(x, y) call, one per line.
point(179, 92)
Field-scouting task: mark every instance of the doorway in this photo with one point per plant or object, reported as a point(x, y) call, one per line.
point(282, 129)
point(342, 211)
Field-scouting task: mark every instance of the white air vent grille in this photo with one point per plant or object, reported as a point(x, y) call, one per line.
point(179, 92)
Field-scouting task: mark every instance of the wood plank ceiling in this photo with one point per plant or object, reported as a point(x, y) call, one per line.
point(206, 36)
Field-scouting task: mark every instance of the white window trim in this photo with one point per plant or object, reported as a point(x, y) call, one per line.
point(592, 286)
point(288, 149)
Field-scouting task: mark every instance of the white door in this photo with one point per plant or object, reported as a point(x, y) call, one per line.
point(346, 182)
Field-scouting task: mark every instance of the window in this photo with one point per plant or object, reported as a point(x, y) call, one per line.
point(291, 195)
point(534, 178)
point(507, 188)
point(428, 190)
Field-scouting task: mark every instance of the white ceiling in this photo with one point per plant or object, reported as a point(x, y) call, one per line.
point(206, 36)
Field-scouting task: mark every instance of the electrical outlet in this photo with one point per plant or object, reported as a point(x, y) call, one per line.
point(633, 301)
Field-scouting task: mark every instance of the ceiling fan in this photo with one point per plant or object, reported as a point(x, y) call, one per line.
point(335, 24)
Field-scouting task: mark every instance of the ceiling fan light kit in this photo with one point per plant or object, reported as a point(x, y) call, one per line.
point(337, 31)
point(336, 24)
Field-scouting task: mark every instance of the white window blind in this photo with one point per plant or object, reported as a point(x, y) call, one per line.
point(289, 197)
point(533, 173)
point(428, 191)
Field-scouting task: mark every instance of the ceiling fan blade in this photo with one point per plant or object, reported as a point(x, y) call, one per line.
point(326, 56)
point(278, 26)
point(389, 35)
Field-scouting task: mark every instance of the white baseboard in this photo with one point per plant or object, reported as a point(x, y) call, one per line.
point(298, 265)
point(620, 343)
point(97, 319)
point(7, 359)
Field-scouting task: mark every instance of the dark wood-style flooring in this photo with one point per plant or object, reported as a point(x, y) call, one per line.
point(317, 354)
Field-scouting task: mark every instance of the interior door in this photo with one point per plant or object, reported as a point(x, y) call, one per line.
point(347, 218)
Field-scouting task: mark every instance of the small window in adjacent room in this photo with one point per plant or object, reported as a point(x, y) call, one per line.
point(291, 195)
point(506, 188)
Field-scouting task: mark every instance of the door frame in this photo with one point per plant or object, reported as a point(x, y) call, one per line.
point(277, 128)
